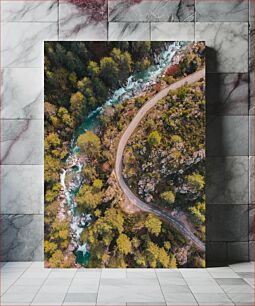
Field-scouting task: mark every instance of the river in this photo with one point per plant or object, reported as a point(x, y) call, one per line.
point(136, 84)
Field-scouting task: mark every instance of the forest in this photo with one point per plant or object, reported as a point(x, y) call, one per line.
point(79, 78)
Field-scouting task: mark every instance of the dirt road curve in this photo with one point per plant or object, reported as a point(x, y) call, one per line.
point(178, 225)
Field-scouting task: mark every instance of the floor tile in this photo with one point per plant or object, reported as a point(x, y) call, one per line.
point(144, 294)
point(81, 298)
point(141, 273)
point(212, 289)
point(243, 267)
point(62, 273)
point(195, 273)
point(246, 274)
point(111, 295)
point(230, 281)
point(13, 296)
point(44, 298)
point(222, 272)
point(113, 273)
point(16, 265)
point(237, 289)
point(242, 299)
point(88, 273)
point(173, 288)
point(180, 299)
point(84, 285)
point(213, 299)
point(30, 282)
point(250, 282)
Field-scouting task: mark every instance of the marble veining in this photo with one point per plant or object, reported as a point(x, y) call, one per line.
point(22, 93)
point(22, 43)
point(227, 93)
point(251, 135)
point(129, 31)
point(229, 175)
point(213, 10)
point(151, 10)
point(227, 135)
point(251, 11)
point(22, 10)
point(22, 189)
point(173, 31)
point(22, 142)
point(227, 45)
point(251, 222)
point(251, 180)
point(251, 68)
point(75, 24)
point(22, 237)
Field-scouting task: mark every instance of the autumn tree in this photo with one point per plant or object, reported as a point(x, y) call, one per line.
point(88, 197)
point(124, 244)
point(78, 106)
point(124, 62)
point(52, 168)
point(89, 144)
point(93, 69)
point(50, 247)
point(168, 197)
point(153, 224)
point(173, 70)
point(196, 181)
point(154, 139)
point(109, 71)
point(51, 141)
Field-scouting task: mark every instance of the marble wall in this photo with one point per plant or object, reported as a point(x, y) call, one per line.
point(228, 29)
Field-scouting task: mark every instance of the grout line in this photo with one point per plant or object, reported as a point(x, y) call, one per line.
point(40, 287)
point(189, 287)
point(160, 286)
point(70, 285)
point(98, 286)
point(229, 292)
point(15, 280)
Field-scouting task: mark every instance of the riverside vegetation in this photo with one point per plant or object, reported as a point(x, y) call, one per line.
point(164, 160)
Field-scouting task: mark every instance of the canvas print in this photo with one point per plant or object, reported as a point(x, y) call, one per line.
point(124, 154)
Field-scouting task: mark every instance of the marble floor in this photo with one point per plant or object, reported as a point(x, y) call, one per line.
point(28, 283)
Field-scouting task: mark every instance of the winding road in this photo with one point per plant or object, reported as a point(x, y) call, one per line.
point(177, 224)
